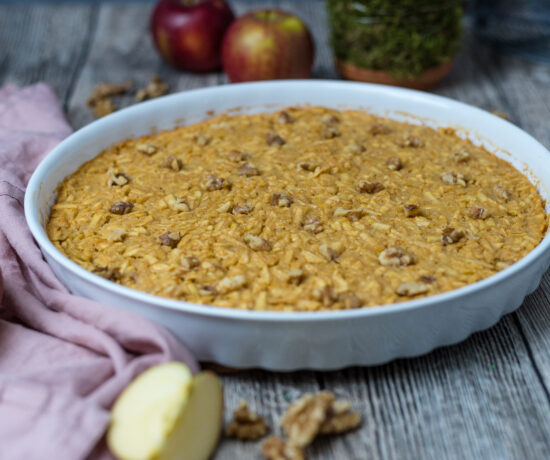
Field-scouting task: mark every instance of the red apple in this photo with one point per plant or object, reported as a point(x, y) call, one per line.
point(267, 45)
point(188, 33)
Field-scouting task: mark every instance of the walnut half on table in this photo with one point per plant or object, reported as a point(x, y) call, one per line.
point(246, 424)
point(101, 98)
point(305, 419)
point(315, 414)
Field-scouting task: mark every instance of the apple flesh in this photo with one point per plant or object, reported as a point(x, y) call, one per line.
point(267, 45)
point(198, 430)
point(167, 414)
point(188, 33)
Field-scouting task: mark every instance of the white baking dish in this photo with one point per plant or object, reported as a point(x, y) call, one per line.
point(323, 340)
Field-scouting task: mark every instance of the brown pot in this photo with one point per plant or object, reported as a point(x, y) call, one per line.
point(426, 80)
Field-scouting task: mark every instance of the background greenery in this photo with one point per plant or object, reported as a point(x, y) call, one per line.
point(404, 37)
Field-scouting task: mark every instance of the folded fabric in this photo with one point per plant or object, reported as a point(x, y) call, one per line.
point(63, 358)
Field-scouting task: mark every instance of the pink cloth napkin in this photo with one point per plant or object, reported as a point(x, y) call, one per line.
point(63, 358)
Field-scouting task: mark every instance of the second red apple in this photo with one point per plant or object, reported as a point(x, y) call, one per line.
point(267, 45)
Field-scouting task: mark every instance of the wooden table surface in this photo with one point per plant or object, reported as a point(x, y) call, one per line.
point(486, 397)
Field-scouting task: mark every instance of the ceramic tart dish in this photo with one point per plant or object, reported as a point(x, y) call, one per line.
point(364, 286)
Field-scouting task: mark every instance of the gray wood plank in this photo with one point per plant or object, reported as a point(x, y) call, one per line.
point(466, 401)
point(520, 88)
point(534, 322)
point(44, 43)
point(479, 398)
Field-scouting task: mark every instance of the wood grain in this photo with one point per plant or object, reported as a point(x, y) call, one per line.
point(42, 43)
point(487, 397)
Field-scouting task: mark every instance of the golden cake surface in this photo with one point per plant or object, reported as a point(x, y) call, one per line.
point(301, 210)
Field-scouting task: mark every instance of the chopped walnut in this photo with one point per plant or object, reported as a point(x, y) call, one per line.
point(203, 140)
point(394, 164)
point(501, 192)
point(412, 141)
point(111, 274)
point(170, 239)
point(178, 204)
point(103, 107)
point(147, 149)
point(451, 177)
point(246, 425)
point(284, 117)
point(451, 236)
point(370, 187)
point(274, 139)
point(378, 128)
point(212, 183)
point(242, 209)
point(274, 448)
point(173, 163)
point(329, 119)
point(304, 418)
point(331, 252)
point(257, 243)
point(340, 418)
point(208, 290)
point(353, 215)
point(237, 156)
point(106, 90)
point(295, 276)
point(412, 210)
point(478, 213)
point(412, 289)
point(354, 149)
point(248, 170)
point(155, 88)
point(306, 166)
point(330, 132)
point(427, 279)
point(461, 156)
point(230, 283)
point(115, 233)
point(326, 295)
point(352, 301)
point(226, 207)
point(282, 200)
point(313, 225)
point(189, 262)
point(118, 179)
point(121, 207)
point(396, 257)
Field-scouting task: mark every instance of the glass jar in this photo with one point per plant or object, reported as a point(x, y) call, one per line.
point(402, 41)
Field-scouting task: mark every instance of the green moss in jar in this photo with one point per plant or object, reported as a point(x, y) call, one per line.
point(402, 37)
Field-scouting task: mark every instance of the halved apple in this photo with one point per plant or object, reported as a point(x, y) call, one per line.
point(197, 431)
point(167, 414)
